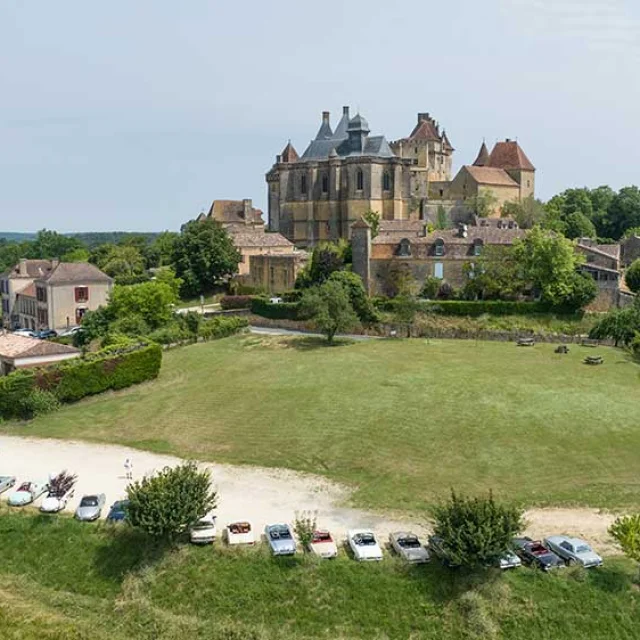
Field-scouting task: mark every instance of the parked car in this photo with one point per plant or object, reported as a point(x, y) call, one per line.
point(27, 493)
point(510, 561)
point(323, 545)
point(118, 511)
point(59, 491)
point(46, 334)
point(70, 331)
point(204, 531)
point(533, 552)
point(25, 332)
point(280, 539)
point(573, 550)
point(240, 533)
point(437, 548)
point(6, 482)
point(275, 300)
point(364, 545)
point(408, 546)
point(90, 507)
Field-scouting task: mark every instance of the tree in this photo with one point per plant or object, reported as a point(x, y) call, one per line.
point(151, 301)
point(626, 531)
point(397, 279)
point(526, 213)
point(204, 255)
point(405, 309)
point(495, 274)
point(304, 526)
point(582, 290)
point(329, 307)
point(483, 204)
point(358, 297)
point(373, 219)
point(51, 244)
point(123, 260)
point(76, 255)
point(577, 225)
point(624, 211)
point(632, 276)
point(161, 251)
point(327, 258)
point(430, 287)
point(476, 532)
point(620, 325)
point(168, 503)
point(441, 218)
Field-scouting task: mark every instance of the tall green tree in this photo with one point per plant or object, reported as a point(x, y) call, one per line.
point(527, 213)
point(620, 325)
point(632, 276)
point(358, 297)
point(204, 256)
point(626, 531)
point(51, 244)
point(152, 301)
point(495, 274)
point(123, 260)
point(328, 305)
point(624, 211)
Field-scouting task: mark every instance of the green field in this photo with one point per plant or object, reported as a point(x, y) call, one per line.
point(64, 580)
point(400, 421)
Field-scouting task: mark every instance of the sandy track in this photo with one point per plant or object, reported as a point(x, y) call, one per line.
point(256, 494)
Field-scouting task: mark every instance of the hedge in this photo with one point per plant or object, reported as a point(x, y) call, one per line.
point(112, 368)
point(221, 327)
point(236, 302)
point(279, 311)
point(15, 389)
point(471, 308)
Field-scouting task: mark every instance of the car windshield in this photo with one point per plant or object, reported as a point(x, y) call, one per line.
point(365, 539)
point(322, 536)
point(409, 542)
point(239, 527)
point(25, 486)
point(89, 501)
point(280, 533)
point(203, 524)
point(583, 548)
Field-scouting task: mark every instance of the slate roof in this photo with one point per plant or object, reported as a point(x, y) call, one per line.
point(230, 211)
point(245, 238)
point(325, 131)
point(492, 176)
point(13, 346)
point(341, 130)
point(69, 272)
point(509, 155)
point(488, 235)
point(35, 269)
point(483, 157)
point(445, 141)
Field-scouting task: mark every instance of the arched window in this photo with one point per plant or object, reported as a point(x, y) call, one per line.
point(359, 180)
point(439, 247)
point(404, 248)
point(386, 181)
point(303, 184)
point(477, 247)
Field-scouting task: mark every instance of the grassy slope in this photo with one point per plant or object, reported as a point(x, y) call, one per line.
point(60, 579)
point(401, 420)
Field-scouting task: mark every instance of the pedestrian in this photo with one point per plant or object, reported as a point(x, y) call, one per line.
point(128, 469)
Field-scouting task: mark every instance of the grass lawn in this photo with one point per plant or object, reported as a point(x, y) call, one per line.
point(401, 421)
point(61, 579)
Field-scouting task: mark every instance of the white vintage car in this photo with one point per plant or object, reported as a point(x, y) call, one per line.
point(27, 493)
point(6, 482)
point(323, 545)
point(364, 545)
point(59, 492)
point(240, 533)
point(573, 551)
point(204, 531)
point(408, 547)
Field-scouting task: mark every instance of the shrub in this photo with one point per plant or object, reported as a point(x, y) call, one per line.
point(222, 327)
point(168, 503)
point(360, 302)
point(430, 288)
point(236, 302)
point(304, 526)
point(39, 402)
point(15, 389)
point(445, 292)
point(632, 276)
point(471, 308)
point(476, 532)
point(328, 305)
point(171, 334)
point(282, 311)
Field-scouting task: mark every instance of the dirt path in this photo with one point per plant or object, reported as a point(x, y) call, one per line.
point(251, 493)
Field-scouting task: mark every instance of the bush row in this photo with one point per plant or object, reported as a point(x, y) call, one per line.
point(470, 308)
point(236, 302)
point(211, 329)
point(282, 311)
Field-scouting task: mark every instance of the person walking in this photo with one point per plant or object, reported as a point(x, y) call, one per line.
point(128, 469)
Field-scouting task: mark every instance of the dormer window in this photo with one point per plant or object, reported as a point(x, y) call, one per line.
point(404, 248)
point(477, 247)
point(303, 185)
point(386, 181)
point(359, 180)
point(439, 247)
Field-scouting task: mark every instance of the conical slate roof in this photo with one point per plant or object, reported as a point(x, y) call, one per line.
point(325, 132)
point(358, 123)
point(341, 130)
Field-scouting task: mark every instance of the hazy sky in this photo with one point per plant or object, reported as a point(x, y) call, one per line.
point(136, 114)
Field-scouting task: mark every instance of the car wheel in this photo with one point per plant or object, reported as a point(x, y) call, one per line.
point(571, 562)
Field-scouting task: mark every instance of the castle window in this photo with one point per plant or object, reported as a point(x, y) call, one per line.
point(303, 185)
point(325, 184)
point(477, 247)
point(438, 247)
point(442, 193)
point(438, 270)
point(528, 183)
point(386, 181)
point(359, 180)
point(404, 248)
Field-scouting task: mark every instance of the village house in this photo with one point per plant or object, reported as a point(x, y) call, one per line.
point(49, 294)
point(19, 352)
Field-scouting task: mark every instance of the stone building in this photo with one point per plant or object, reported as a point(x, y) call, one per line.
point(20, 352)
point(276, 272)
point(341, 175)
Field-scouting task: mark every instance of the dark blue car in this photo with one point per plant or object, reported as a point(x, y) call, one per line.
point(118, 511)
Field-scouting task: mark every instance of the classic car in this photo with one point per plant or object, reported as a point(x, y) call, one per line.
point(323, 545)
point(573, 550)
point(510, 561)
point(204, 531)
point(408, 547)
point(6, 482)
point(118, 511)
point(90, 507)
point(27, 493)
point(363, 545)
point(533, 552)
point(60, 490)
point(280, 539)
point(240, 533)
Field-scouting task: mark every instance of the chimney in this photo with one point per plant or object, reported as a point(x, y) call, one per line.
point(325, 117)
point(422, 117)
point(22, 267)
point(507, 140)
point(247, 210)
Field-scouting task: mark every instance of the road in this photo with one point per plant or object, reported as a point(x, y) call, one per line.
point(271, 331)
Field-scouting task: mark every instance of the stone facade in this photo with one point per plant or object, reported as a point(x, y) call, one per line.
point(602, 263)
point(276, 273)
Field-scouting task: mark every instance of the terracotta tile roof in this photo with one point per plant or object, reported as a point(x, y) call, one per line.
point(258, 238)
point(509, 155)
point(13, 346)
point(425, 130)
point(289, 154)
point(70, 272)
point(232, 211)
point(491, 176)
point(483, 157)
point(29, 291)
point(34, 268)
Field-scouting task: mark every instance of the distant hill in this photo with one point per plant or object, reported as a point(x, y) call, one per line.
point(17, 237)
point(89, 238)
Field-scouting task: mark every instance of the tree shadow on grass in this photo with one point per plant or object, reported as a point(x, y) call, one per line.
point(127, 550)
point(312, 343)
point(612, 579)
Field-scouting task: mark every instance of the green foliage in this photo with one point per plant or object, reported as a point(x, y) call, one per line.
point(261, 306)
point(476, 532)
point(494, 274)
point(442, 221)
point(50, 244)
point(620, 325)
point(373, 219)
point(397, 279)
point(632, 276)
point(222, 327)
point(304, 526)
point(527, 213)
point(483, 204)
point(430, 288)
point(204, 255)
point(405, 309)
point(121, 261)
point(327, 257)
point(38, 403)
point(470, 308)
point(582, 290)
point(76, 255)
point(236, 302)
point(15, 391)
point(192, 321)
point(626, 531)
point(577, 225)
point(171, 333)
point(152, 301)
point(328, 305)
point(358, 297)
point(132, 325)
point(169, 502)
point(160, 252)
